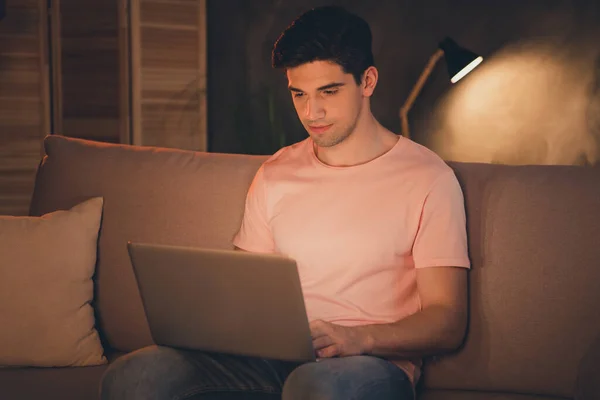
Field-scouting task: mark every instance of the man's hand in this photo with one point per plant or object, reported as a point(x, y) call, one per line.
point(438, 327)
point(330, 340)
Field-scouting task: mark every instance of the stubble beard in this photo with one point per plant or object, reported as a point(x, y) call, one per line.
point(330, 139)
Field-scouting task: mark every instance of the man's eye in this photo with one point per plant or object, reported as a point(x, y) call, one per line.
point(296, 94)
point(330, 92)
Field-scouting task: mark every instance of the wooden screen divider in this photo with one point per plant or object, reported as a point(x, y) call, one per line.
point(168, 73)
point(121, 71)
point(132, 71)
point(24, 99)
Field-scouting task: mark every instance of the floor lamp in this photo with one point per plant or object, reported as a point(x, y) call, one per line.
point(459, 62)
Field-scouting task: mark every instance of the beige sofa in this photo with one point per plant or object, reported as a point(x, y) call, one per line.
point(534, 235)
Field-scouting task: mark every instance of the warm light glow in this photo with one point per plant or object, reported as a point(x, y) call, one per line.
point(466, 69)
point(527, 104)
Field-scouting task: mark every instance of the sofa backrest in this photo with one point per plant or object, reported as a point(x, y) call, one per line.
point(534, 237)
point(534, 241)
point(150, 195)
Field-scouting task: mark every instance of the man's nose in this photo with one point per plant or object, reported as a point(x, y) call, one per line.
point(314, 109)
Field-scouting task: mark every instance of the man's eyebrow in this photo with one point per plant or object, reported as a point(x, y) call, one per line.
point(325, 87)
point(331, 86)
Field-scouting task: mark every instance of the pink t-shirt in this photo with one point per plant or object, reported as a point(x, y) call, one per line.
point(358, 233)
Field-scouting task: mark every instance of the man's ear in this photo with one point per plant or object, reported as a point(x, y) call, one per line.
point(369, 81)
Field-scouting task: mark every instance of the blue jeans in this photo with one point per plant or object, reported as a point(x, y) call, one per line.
point(169, 374)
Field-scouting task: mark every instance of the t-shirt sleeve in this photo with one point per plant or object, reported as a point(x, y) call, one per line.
point(441, 238)
point(255, 234)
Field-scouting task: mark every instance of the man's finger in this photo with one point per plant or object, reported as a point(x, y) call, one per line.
point(329, 351)
point(317, 329)
point(315, 334)
point(322, 342)
point(316, 324)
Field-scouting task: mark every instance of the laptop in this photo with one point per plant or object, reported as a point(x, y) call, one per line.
point(225, 301)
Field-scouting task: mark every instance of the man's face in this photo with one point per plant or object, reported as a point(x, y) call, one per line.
point(327, 100)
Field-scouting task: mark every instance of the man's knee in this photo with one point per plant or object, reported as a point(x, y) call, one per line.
point(359, 377)
point(140, 373)
point(311, 381)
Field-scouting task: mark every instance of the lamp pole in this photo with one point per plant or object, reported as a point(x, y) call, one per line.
point(416, 90)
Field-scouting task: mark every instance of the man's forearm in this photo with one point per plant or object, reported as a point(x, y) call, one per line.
point(432, 330)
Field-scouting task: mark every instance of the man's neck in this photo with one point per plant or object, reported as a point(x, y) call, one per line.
point(368, 141)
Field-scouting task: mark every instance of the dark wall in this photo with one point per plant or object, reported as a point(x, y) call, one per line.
point(535, 99)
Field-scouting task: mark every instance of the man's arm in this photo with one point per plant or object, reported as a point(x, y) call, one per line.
point(439, 326)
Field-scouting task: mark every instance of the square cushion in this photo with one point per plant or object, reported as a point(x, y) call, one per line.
point(46, 287)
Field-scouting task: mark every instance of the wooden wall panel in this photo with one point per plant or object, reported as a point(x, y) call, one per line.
point(128, 71)
point(169, 73)
point(89, 65)
point(24, 116)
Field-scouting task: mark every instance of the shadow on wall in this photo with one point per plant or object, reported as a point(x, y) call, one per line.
point(531, 103)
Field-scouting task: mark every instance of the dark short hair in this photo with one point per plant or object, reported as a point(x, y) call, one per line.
point(327, 33)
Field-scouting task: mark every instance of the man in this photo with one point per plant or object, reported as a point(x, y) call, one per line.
point(375, 222)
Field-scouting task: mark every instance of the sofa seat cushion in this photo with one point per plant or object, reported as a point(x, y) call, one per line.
point(69, 383)
point(82, 383)
point(476, 395)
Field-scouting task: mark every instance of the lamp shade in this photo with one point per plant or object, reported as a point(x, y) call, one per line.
point(459, 60)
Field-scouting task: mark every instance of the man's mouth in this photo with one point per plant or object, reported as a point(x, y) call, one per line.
point(319, 128)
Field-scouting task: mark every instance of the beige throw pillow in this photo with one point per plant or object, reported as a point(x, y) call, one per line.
point(46, 269)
